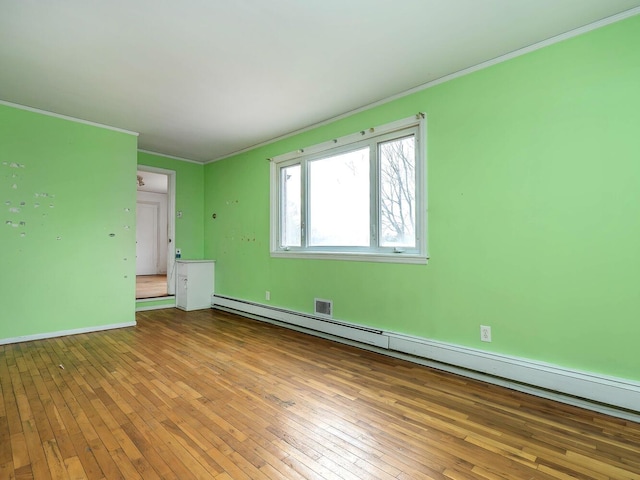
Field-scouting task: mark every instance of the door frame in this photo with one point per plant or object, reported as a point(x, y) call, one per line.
point(171, 223)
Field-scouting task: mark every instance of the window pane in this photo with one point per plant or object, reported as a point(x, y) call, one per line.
point(290, 235)
point(339, 200)
point(397, 192)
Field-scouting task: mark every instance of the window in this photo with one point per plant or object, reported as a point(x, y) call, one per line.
point(359, 197)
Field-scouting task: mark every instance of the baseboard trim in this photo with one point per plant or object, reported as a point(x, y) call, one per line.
point(609, 395)
point(156, 299)
point(617, 392)
point(336, 328)
point(64, 333)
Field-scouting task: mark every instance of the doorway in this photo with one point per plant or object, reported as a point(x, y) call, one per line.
point(155, 251)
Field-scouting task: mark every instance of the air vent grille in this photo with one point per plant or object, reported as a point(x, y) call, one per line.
point(323, 308)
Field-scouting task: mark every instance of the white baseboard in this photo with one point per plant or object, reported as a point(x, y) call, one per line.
point(336, 328)
point(610, 395)
point(617, 392)
point(64, 333)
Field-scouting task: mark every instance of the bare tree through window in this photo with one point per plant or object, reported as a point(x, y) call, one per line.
point(397, 192)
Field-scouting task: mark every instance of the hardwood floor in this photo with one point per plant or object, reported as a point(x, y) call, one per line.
point(151, 286)
point(208, 394)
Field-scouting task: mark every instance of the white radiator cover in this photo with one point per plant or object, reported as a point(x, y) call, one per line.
point(614, 396)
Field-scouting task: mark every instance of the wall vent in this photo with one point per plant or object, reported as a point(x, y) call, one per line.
point(323, 308)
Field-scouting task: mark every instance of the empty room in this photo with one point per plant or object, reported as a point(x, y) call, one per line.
point(320, 239)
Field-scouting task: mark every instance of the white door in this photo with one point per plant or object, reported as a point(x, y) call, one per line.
point(147, 238)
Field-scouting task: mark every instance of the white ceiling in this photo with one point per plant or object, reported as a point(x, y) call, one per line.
point(201, 79)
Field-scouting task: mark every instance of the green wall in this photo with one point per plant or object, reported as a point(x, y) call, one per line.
point(189, 200)
point(534, 213)
point(68, 229)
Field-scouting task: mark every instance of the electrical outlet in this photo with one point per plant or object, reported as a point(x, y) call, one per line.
point(267, 295)
point(485, 333)
point(178, 253)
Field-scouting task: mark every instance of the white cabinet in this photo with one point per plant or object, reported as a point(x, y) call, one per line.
point(194, 284)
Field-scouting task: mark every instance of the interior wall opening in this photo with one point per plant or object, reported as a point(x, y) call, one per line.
point(155, 252)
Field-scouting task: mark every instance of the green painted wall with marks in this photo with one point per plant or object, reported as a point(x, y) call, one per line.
point(534, 216)
point(534, 213)
point(68, 197)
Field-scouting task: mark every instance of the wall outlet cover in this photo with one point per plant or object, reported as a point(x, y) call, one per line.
point(485, 333)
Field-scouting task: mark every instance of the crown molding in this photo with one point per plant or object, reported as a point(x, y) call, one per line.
point(172, 157)
point(66, 117)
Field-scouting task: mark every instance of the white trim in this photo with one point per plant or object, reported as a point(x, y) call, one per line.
point(422, 185)
point(172, 157)
point(460, 73)
point(417, 120)
point(605, 394)
point(356, 257)
point(66, 117)
point(64, 333)
point(155, 299)
point(619, 392)
point(368, 137)
point(520, 387)
point(274, 208)
point(310, 322)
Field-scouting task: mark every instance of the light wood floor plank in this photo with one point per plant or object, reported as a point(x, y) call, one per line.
point(75, 469)
point(210, 395)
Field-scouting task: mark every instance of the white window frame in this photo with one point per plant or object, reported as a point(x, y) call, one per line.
point(416, 125)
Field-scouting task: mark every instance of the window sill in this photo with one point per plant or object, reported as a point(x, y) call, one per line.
point(357, 257)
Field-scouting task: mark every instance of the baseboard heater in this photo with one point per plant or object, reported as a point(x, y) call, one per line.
point(609, 395)
point(331, 327)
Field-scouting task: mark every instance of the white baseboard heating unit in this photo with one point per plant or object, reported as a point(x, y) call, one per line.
point(609, 395)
